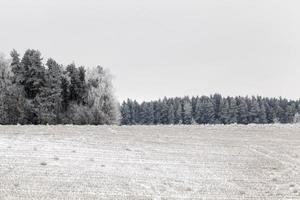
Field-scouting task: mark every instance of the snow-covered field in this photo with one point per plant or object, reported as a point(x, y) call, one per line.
point(150, 162)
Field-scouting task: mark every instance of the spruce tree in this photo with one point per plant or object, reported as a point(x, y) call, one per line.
point(187, 112)
point(242, 111)
point(171, 114)
point(125, 114)
point(75, 83)
point(164, 114)
point(177, 111)
point(65, 92)
point(217, 100)
point(50, 100)
point(233, 110)
point(254, 112)
point(205, 111)
point(224, 112)
point(34, 73)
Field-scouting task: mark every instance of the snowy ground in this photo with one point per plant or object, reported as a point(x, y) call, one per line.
point(150, 162)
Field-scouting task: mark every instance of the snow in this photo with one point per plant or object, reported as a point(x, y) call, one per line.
point(150, 162)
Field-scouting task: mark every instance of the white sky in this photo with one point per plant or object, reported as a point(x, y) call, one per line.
point(160, 48)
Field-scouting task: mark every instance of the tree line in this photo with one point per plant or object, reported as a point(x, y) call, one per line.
point(213, 109)
point(32, 92)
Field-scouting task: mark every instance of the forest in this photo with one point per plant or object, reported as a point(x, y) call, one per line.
point(213, 109)
point(35, 93)
point(32, 92)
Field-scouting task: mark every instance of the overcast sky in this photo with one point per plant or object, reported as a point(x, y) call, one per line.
point(160, 48)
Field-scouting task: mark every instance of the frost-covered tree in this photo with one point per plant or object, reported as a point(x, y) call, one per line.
point(290, 113)
point(187, 112)
point(254, 112)
point(171, 114)
point(12, 98)
point(34, 73)
point(205, 111)
point(233, 110)
point(50, 100)
point(100, 97)
point(262, 112)
point(6, 74)
point(34, 94)
point(296, 119)
point(164, 114)
point(217, 100)
point(65, 92)
point(177, 111)
point(5, 82)
point(242, 111)
point(125, 114)
point(75, 83)
point(225, 112)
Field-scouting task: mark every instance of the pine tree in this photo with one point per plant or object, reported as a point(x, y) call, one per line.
point(65, 92)
point(225, 112)
point(217, 100)
point(157, 112)
point(34, 73)
point(164, 114)
point(290, 113)
point(187, 112)
point(254, 111)
point(205, 111)
point(75, 83)
point(6, 99)
point(49, 100)
point(262, 112)
point(82, 87)
point(17, 68)
point(136, 112)
point(177, 111)
point(233, 110)
point(171, 114)
point(150, 111)
point(125, 114)
point(242, 111)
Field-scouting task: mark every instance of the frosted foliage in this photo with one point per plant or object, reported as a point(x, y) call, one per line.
point(5, 72)
point(297, 118)
point(100, 95)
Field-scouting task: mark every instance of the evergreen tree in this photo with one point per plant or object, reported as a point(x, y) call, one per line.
point(75, 83)
point(164, 114)
point(177, 111)
point(205, 111)
point(242, 111)
point(157, 112)
point(290, 113)
point(50, 100)
point(233, 110)
point(225, 112)
point(17, 68)
point(187, 112)
point(9, 112)
point(65, 92)
point(262, 112)
point(125, 113)
point(34, 73)
point(254, 112)
point(82, 86)
point(171, 114)
point(217, 100)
